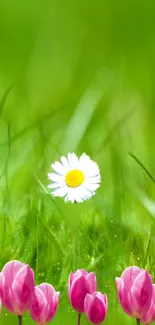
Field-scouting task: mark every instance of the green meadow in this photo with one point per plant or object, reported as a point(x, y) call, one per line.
point(77, 76)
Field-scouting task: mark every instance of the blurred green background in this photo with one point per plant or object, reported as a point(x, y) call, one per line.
point(77, 76)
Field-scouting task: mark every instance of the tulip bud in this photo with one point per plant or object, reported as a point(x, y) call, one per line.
point(149, 316)
point(134, 289)
point(96, 306)
point(17, 287)
point(44, 304)
point(80, 283)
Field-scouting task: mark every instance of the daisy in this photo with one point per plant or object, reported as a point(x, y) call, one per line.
point(74, 179)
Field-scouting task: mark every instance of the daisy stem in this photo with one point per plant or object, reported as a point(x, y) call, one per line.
point(138, 321)
point(19, 320)
point(79, 318)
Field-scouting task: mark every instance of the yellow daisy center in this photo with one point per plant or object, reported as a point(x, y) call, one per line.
point(74, 178)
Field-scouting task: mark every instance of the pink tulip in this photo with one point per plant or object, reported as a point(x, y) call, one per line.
point(134, 289)
point(17, 287)
point(96, 306)
point(44, 304)
point(149, 316)
point(80, 283)
point(0, 305)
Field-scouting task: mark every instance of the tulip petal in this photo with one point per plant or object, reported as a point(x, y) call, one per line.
point(71, 276)
point(80, 287)
point(38, 306)
point(78, 273)
point(87, 302)
point(153, 292)
point(44, 304)
point(52, 307)
point(97, 311)
point(123, 296)
point(57, 296)
point(141, 293)
point(91, 277)
point(8, 298)
point(149, 316)
point(83, 272)
point(2, 283)
point(129, 275)
point(23, 288)
point(51, 302)
point(10, 269)
point(7, 295)
point(104, 297)
point(47, 289)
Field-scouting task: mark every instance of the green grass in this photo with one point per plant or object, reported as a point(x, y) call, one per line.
point(77, 76)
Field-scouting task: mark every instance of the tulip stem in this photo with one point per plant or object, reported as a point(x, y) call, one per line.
point(19, 320)
point(138, 321)
point(79, 318)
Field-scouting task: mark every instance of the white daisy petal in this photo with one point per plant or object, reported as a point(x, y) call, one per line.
point(84, 157)
point(75, 179)
point(79, 199)
point(65, 162)
point(84, 161)
point(71, 194)
point(56, 185)
point(66, 197)
point(69, 158)
point(55, 177)
point(88, 193)
point(94, 170)
point(85, 164)
point(72, 160)
point(59, 168)
point(74, 195)
point(90, 169)
point(94, 179)
point(78, 194)
point(91, 187)
point(60, 191)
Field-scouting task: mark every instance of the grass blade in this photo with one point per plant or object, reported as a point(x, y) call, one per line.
point(4, 98)
point(143, 167)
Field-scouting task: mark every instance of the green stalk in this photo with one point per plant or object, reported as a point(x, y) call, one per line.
point(19, 320)
point(138, 321)
point(79, 318)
